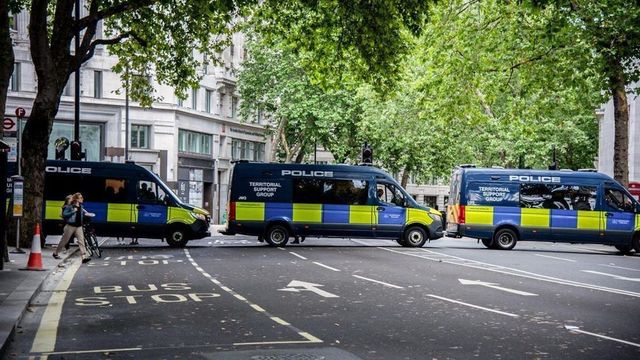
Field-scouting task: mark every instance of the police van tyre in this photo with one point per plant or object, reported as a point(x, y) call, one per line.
point(488, 243)
point(415, 236)
point(277, 235)
point(624, 249)
point(505, 239)
point(176, 237)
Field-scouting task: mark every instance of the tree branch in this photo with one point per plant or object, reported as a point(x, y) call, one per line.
point(118, 8)
point(92, 48)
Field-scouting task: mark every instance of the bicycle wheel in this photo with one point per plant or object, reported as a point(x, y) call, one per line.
point(96, 247)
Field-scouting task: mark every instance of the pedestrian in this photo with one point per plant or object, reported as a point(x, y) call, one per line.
point(134, 241)
point(74, 214)
point(67, 202)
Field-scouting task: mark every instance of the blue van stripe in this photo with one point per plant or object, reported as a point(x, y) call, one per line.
point(100, 209)
point(506, 214)
point(335, 214)
point(567, 219)
point(275, 210)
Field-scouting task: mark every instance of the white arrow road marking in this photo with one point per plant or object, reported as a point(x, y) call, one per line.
point(297, 286)
point(495, 286)
point(577, 330)
point(617, 277)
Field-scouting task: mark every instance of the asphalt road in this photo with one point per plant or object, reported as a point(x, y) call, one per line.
point(235, 298)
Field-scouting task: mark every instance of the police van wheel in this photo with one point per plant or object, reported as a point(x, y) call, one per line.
point(488, 243)
point(624, 249)
point(505, 239)
point(401, 242)
point(277, 235)
point(176, 237)
point(636, 242)
point(415, 236)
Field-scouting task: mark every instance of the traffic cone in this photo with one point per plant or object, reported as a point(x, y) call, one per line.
point(35, 256)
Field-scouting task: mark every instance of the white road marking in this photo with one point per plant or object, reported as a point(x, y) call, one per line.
point(309, 338)
point(617, 277)
point(300, 256)
point(326, 266)
point(495, 286)
point(379, 282)
point(45, 339)
point(577, 330)
point(91, 351)
point(619, 267)
point(298, 286)
point(456, 260)
point(473, 306)
point(554, 257)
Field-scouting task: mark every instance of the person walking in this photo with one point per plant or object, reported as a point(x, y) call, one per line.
point(74, 215)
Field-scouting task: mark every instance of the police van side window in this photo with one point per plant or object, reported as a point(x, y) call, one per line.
point(149, 192)
point(559, 197)
point(492, 194)
point(330, 191)
point(388, 194)
point(617, 200)
point(114, 190)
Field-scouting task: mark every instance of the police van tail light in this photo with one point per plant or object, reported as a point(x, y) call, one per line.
point(461, 215)
point(232, 211)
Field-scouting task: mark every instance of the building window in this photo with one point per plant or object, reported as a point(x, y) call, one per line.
point(234, 107)
point(194, 142)
point(16, 77)
point(180, 102)
point(207, 100)
point(14, 22)
point(97, 84)
point(194, 99)
point(220, 103)
point(232, 50)
point(247, 150)
point(140, 136)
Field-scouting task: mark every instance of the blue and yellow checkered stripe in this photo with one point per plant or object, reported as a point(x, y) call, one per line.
point(329, 213)
point(125, 213)
point(550, 218)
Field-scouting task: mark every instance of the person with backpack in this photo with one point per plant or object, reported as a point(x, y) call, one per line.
point(74, 214)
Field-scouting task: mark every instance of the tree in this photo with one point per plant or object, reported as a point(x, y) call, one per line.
point(6, 47)
point(273, 82)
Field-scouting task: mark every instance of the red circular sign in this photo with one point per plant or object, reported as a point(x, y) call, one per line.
point(20, 112)
point(8, 124)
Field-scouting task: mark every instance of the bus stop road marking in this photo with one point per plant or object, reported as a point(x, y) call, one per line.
point(473, 306)
point(576, 329)
point(455, 260)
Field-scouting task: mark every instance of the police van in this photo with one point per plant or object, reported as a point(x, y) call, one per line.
point(128, 201)
point(503, 206)
point(278, 201)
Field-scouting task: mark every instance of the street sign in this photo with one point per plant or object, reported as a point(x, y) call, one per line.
point(298, 286)
point(8, 125)
point(13, 151)
point(495, 286)
point(20, 112)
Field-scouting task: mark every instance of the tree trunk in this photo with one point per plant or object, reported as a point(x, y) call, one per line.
point(6, 55)
point(276, 138)
point(405, 178)
point(621, 119)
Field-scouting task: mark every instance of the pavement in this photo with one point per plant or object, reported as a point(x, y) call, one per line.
point(19, 287)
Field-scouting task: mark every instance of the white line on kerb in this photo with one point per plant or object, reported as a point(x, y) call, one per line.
point(326, 266)
point(554, 257)
point(379, 282)
point(91, 351)
point(473, 306)
point(298, 255)
point(577, 329)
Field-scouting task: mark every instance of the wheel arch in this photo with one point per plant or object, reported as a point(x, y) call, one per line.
point(507, 226)
point(418, 224)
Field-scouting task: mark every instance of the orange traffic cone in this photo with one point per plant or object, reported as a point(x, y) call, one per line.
point(35, 256)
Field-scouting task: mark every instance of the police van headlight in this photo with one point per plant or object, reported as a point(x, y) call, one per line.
point(435, 217)
point(199, 216)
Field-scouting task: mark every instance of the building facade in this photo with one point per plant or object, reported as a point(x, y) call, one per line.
point(189, 143)
point(607, 136)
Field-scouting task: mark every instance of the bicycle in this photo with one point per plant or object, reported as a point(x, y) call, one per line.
point(91, 241)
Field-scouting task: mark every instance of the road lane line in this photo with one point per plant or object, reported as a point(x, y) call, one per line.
point(617, 277)
point(619, 267)
point(309, 338)
point(45, 339)
point(91, 351)
point(455, 260)
point(326, 266)
point(577, 330)
point(473, 306)
point(300, 256)
point(379, 282)
point(554, 257)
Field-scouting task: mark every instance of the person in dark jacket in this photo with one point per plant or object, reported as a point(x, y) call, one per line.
point(74, 215)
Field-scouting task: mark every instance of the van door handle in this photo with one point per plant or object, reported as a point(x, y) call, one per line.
point(380, 208)
point(608, 214)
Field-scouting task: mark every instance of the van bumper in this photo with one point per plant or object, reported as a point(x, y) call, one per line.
point(200, 229)
point(435, 230)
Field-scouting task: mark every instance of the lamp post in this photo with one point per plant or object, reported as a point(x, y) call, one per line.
point(126, 115)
